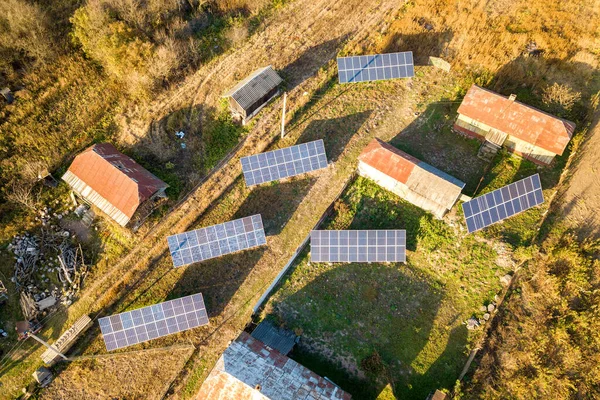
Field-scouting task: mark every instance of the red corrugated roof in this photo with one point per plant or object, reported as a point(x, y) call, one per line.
point(517, 119)
point(117, 178)
point(389, 160)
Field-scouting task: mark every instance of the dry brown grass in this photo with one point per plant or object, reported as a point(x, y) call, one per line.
point(143, 374)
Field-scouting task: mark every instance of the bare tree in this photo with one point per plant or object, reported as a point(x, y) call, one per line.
point(22, 192)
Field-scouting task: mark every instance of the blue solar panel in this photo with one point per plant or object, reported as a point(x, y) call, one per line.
point(375, 67)
point(147, 323)
point(502, 203)
point(283, 163)
point(217, 240)
point(358, 246)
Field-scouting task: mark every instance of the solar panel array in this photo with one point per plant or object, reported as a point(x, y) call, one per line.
point(358, 246)
point(283, 163)
point(147, 323)
point(217, 240)
point(375, 67)
point(502, 203)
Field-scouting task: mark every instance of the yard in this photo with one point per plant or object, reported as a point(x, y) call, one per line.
point(410, 315)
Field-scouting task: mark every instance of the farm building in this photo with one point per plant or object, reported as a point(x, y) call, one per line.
point(67, 340)
point(502, 121)
point(249, 369)
point(113, 182)
point(253, 93)
point(412, 179)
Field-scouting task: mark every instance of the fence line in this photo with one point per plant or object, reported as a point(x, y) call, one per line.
point(302, 246)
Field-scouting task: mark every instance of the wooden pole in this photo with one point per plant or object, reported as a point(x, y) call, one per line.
point(283, 115)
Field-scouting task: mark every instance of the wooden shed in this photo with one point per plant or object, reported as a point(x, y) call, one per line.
point(113, 182)
point(503, 121)
point(67, 340)
point(253, 93)
point(412, 179)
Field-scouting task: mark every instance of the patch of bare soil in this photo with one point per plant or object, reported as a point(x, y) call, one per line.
point(136, 375)
point(579, 202)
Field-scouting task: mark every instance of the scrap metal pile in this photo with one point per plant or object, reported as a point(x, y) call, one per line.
point(49, 266)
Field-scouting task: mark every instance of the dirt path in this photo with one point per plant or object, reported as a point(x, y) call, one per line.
point(580, 200)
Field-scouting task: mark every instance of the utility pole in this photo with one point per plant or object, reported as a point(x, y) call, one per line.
point(283, 115)
point(54, 349)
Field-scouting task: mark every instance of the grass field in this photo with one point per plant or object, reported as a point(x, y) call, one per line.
point(411, 315)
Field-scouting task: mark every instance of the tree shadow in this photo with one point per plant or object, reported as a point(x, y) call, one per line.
point(351, 311)
point(430, 138)
point(429, 44)
point(310, 61)
point(335, 132)
point(276, 202)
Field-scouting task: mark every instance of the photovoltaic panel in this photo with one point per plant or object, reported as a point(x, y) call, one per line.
point(217, 240)
point(147, 323)
point(502, 203)
point(283, 163)
point(375, 67)
point(358, 246)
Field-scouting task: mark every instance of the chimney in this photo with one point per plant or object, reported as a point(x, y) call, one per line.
point(512, 97)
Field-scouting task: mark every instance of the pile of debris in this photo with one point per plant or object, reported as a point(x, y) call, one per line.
point(49, 266)
point(487, 310)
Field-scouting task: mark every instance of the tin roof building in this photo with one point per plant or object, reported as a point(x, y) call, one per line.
point(113, 182)
point(503, 121)
point(249, 96)
point(249, 369)
point(410, 178)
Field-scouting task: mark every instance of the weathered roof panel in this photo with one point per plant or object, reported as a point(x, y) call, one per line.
point(248, 369)
point(517, 119)
point(111, 180)
point(420, 177)
point(254, 87)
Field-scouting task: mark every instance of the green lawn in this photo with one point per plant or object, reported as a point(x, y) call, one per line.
point(410, 314)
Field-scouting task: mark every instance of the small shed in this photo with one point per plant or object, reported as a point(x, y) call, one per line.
point(503, 121)
point(250, 95)
point(43, 376)
point(276, 338)
point(113, 182)
point(410, 178)
point(67, 340)
point(7, 94)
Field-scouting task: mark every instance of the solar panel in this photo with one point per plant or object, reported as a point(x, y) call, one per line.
point(147, 323)
point(283, 163)
point(502, 203)
point(358, 246)
point(375, 67)
point(217, 240)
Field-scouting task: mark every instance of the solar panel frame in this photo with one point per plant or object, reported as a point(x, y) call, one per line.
point(283, 163)
point(358, 245)
point(375, 67)
point(500, 204)
point(143, 324)
point(216, 240)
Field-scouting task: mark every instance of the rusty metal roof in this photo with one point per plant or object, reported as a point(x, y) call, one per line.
point(249, 369)
point(517, 119)
point(254, 87)
point(420, 177)
point(118, 179)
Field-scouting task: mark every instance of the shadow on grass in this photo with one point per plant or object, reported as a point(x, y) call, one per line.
point(276, 202)
point(311, 60)
point(352, 311)
point(430, 138)
point(335, 132)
